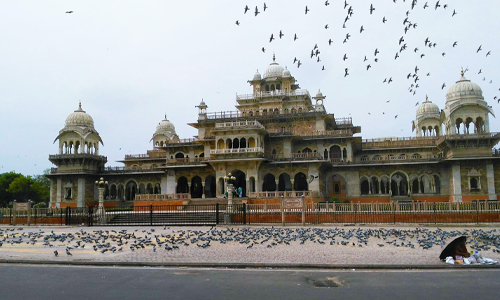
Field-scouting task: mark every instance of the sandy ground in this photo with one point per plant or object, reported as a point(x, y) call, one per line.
point(309, 252)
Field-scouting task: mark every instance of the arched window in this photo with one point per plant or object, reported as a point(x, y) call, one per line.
point(236, 143)
point(278, 86)
point(179, 155)
point(243, 143)
point(365, 186)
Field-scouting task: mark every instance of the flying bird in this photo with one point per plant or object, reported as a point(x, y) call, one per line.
point(256, 11)
point(479, 49)
point(69, 12)
point(307, 9)
point(237, 22)
point(271, 38)
point(246, 9)
point(371, 9)
point(265, 6)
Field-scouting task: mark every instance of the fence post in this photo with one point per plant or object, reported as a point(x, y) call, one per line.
point(10, 216)
point(477, 212)
point(394, 212)
point(244, 213)
point(28, 213)
point(151, 215)
point(355, 213)
point(91, 215)
point(14, 212)
point(217, 214)
point(435, 216)
point(60, 214)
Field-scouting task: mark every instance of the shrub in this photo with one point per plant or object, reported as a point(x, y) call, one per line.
point(40, 205)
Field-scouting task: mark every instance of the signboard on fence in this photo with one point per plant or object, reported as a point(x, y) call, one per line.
point(22, 206)
point(293, 203)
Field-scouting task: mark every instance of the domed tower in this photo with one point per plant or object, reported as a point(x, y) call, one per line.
point(78, 162)
point(428, 120)
point(165, 132)
point(466, 112)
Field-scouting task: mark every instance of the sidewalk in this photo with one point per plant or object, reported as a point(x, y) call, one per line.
point(243, 247)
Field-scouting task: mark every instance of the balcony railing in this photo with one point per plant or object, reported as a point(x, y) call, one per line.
point(240, 124)
point(297, 156)
point(186, 161)
point(143, 197)
point(279, 194)
point(393, 158)
point(399, 141)
point(237, 150)
point(118, 170)
point(343, 121)
point(312, 133)
point(276, 93)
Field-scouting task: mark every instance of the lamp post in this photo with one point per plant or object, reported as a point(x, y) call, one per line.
point(101, 187)
point(229, 187)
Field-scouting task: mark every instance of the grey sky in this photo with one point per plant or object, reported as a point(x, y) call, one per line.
point(130, 62)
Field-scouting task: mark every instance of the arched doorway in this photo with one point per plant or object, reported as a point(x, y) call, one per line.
point(284, 183)
point(121, 192)
point(112, 192)
point(196, 187)
point(157, 189)
point(399, 184)
point(269, 183)
point(336, 186)
point(130, 190)
point(182, 186)
point(210, 187)
point(179, 155)
point(240, 181)
point(300, 182)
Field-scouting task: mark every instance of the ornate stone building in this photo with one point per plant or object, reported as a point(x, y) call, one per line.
point(281, 142)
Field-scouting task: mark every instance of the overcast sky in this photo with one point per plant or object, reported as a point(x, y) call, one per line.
point(130, 62)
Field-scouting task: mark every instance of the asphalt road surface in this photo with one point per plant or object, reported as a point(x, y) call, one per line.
point(70, 282)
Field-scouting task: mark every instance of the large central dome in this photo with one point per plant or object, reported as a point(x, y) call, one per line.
point(273, 70)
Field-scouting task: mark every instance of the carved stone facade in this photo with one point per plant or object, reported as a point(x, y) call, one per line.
point(282, 139)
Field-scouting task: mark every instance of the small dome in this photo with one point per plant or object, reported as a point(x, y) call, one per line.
point(428, 108)
point(166, 128)
point(79, 118)
point(273, 70)
point(464, 87)
point(319, 95)
point(257, 76)
point(286, 73)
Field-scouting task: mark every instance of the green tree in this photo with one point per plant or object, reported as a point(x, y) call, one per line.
point(5, 180)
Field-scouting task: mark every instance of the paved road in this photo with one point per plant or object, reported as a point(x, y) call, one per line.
point(54, 282)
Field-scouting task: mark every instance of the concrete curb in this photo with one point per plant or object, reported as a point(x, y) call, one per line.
point(248, 265)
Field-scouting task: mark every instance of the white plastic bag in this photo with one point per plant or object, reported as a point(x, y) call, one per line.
point(450, 260)
point(466, 261)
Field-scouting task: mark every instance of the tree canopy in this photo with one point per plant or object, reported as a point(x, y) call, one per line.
point(15, 186)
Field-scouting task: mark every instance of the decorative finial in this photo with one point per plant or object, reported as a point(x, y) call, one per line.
point(79, 104)
point(426, 98)
point(165, 116)
point(274, 57)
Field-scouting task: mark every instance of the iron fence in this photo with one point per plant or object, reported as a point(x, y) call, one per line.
point(241, 214)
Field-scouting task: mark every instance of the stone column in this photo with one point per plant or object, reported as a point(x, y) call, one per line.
point(59, 193)
point(203, 190)
point(248, 187)
point(80, 197)
point(349, 152)
point(490, 176)
point(457, 183)
point(277, 184)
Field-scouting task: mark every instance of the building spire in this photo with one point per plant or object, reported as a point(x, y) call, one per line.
point(274, 57)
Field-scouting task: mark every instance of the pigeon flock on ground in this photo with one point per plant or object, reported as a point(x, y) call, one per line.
point(111, 241)
point(407, 46)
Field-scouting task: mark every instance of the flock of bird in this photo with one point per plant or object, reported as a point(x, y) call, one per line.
point(419, 48)
point(112, 241)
